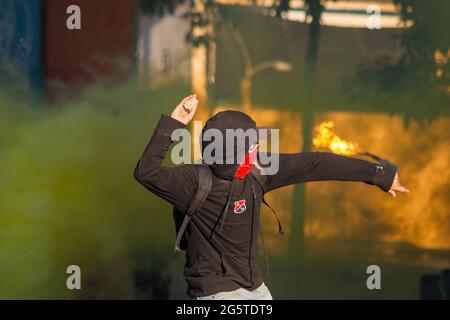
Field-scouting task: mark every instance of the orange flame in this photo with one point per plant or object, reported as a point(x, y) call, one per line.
point(324, 137)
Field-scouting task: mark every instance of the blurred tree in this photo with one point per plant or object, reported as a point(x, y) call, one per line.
point(417, 84)
point(202, 37)
point(314, 9)
point(201, 19)
point(159, 7)
point(283, 6)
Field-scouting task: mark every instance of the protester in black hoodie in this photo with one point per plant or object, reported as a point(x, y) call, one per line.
point(221, 239)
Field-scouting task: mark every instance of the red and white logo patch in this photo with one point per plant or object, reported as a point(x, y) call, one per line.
point(239, 206)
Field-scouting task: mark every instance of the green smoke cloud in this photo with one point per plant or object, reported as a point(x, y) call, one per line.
point(67, 195)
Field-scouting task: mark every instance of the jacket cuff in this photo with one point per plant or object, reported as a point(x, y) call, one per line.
point(384, 176)
point(167, 125)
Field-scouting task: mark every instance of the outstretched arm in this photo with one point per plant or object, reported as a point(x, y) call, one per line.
point(322, 166)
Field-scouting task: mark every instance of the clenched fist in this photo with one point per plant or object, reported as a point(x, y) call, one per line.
point(185, 110)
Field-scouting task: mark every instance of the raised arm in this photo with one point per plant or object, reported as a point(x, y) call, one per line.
point(321, 166)
point(176, 185)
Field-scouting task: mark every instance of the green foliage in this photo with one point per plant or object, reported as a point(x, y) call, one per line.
point(411, 85)
point(159, 7)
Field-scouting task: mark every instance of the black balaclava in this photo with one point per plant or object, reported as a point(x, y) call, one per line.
point(221, 121)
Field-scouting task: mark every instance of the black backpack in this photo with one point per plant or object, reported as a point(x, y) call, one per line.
point(205, 180)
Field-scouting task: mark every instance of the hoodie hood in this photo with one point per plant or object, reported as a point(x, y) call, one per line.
point(235, 144)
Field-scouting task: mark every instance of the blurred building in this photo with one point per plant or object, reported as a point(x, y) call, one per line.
point(349, 34)
point(51, 56)
point(20, 43)
point(342, 13)
point(36, 43)
point(346, 43)
point(78, 57)
point(163, 52)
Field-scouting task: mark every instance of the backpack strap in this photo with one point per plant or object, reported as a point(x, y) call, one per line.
point(204, 187)
point(256, 172)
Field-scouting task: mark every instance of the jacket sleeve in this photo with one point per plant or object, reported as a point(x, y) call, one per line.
point(322, 166)
point(176, 185)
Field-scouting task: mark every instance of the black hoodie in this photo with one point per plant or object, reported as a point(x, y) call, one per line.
point(222, 244)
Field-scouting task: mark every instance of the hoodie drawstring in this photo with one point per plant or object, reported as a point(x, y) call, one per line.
point(224, 212)
point(280, 228)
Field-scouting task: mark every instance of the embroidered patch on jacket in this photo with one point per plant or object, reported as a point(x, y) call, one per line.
point(239, 206)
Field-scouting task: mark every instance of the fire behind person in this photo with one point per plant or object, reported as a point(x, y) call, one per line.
point(221, 238)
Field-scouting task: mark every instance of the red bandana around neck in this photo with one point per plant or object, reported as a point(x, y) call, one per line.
point(247, 164)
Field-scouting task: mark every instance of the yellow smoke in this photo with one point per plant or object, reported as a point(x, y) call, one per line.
point(356, 211)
